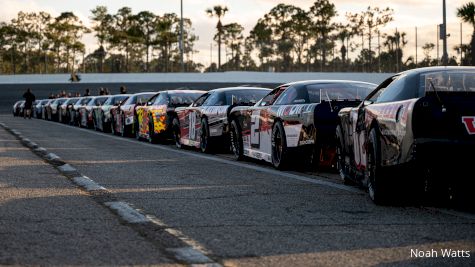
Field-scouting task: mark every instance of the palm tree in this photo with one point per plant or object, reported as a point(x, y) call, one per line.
point(467, 14)
point(219, 12)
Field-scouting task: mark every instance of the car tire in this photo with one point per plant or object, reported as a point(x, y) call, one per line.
point(377, 188)
point(176, 132)
point(123, 127)
point(152, 138)
point(279, 147)
point(340, 157)
point(236, 143)
point(204, 136)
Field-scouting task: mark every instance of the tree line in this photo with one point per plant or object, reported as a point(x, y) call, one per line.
point(287, 38)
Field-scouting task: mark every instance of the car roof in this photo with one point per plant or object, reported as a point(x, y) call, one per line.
point(238, 88)
point(307, 82)
point(436, 68)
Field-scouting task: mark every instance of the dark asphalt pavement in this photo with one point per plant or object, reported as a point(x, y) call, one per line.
point(246, 215)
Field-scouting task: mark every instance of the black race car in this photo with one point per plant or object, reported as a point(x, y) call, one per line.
point(413, 127)
point(294, 121)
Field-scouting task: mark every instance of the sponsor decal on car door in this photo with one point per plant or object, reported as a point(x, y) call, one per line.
point(469, 123)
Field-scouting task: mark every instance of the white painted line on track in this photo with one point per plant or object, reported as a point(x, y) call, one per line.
point(126, 212)
point(67, 168)
point(88, 184)
point(316, 181)
point(189, 254)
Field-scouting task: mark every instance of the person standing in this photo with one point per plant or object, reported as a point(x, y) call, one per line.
point(123, 90)
point(88, 92)
point(29, 99)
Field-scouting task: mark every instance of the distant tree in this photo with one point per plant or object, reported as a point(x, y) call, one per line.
point(233, 38)
point(102, 23)
point(260, 38)
point(218, 12)
point(147, 29)
point(467, 14)
point(322, 13)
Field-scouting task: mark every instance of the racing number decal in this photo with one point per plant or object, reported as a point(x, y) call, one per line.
point(255, 126)
point(192, 125)
point(469, 124)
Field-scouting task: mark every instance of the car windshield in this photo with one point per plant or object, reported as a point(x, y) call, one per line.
point(245, 97)
point(118, 99)
point(182, 99)
point(448, 81)
point(143, 98)
point(84, 101)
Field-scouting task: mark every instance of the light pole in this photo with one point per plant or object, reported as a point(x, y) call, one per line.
point(443, 32)
point(181, 38)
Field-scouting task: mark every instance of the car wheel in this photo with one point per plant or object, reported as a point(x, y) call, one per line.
point(204, 136)
point(376, 185)
point(235, 137)
point(340, 157)
point(136, 129)
point(279, 146)
point(176, 132)
point(123, 129)
point(151, 131)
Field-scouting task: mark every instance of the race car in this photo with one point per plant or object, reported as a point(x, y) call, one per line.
point(294, 122)
point(38, 108)
point(154, 120)
point(416, 130)
point(44, 109)
point(86, 119)
point(123, 122)
point(74, 113)
point(63, 110)
point(53, 108)
point(102, 115)
point(17, 111)
point(204, 124)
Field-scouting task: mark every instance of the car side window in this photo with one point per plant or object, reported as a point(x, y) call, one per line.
point(272, 96)
point(292, 96)
point(215, 99)
point(151, 100)
point(162, 99)
point(200, 100)
point(397, 91)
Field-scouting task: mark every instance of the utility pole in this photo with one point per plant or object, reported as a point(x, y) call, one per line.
point(461, 50)
point(438, 39)
point(445, 56)
point(379, 51)
point(181, 38)
point(210, 57)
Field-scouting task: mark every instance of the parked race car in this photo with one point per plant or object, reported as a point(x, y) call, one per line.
point(415, 131)
point(204, 124)
point(74, 113)
point(295, 121)
point(52, 110)
point(86, 118)
point(154, 120)
point(123, 121)
point(63, 110)
point(102, 115)
point(44, 109)
point(17, 110)
point(38, 108)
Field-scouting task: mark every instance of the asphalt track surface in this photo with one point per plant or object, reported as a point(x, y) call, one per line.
point(234, 214)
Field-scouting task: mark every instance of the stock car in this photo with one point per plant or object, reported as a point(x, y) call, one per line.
point(63, 110)
point(38, 108)
point(74, 113)
point(204, 124)
point(123, 122)
point(53, 108)
point(102, 115)
point(17, 108)
point(86, 119)
point(44, 109)
point(415, 132)
point(155, 119)
point(295, 121)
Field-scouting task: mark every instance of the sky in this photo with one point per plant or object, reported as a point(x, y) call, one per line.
point(408, 14)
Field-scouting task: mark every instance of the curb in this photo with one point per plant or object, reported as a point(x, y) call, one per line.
point(146, 225)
